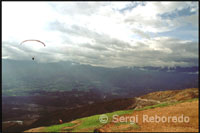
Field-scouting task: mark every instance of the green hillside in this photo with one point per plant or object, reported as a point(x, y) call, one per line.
point(89, 124)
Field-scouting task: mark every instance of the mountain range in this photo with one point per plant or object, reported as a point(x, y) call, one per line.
point(22, 77)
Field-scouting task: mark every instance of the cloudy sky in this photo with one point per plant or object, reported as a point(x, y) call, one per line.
point(110, 34)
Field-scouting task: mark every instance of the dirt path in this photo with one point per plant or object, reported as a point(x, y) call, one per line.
point(77, 123)
point(189, 109)
point(38, 129)
point(146, 100)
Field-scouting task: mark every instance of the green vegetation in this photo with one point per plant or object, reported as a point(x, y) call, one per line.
point(93, 122)
point(190, 100)
point(88, 124)
point(56, 128)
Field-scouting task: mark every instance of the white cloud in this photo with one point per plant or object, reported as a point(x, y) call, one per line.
point(99, 33)
point(147, 18)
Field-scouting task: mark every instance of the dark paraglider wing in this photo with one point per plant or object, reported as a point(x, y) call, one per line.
point(33, 40)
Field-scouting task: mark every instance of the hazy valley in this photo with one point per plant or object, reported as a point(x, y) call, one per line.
point(31, 90)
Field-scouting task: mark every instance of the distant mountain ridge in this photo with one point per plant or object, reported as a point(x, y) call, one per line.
point(19, 77)
point(175, 68)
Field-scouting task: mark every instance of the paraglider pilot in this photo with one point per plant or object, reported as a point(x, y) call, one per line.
point(33, 58)
point(60, 121)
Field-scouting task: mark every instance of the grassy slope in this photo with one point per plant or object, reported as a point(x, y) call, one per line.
point(57, 128)
point(90, 123)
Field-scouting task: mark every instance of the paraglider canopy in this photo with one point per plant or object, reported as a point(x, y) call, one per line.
point(33, 57)
point(33, 40)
